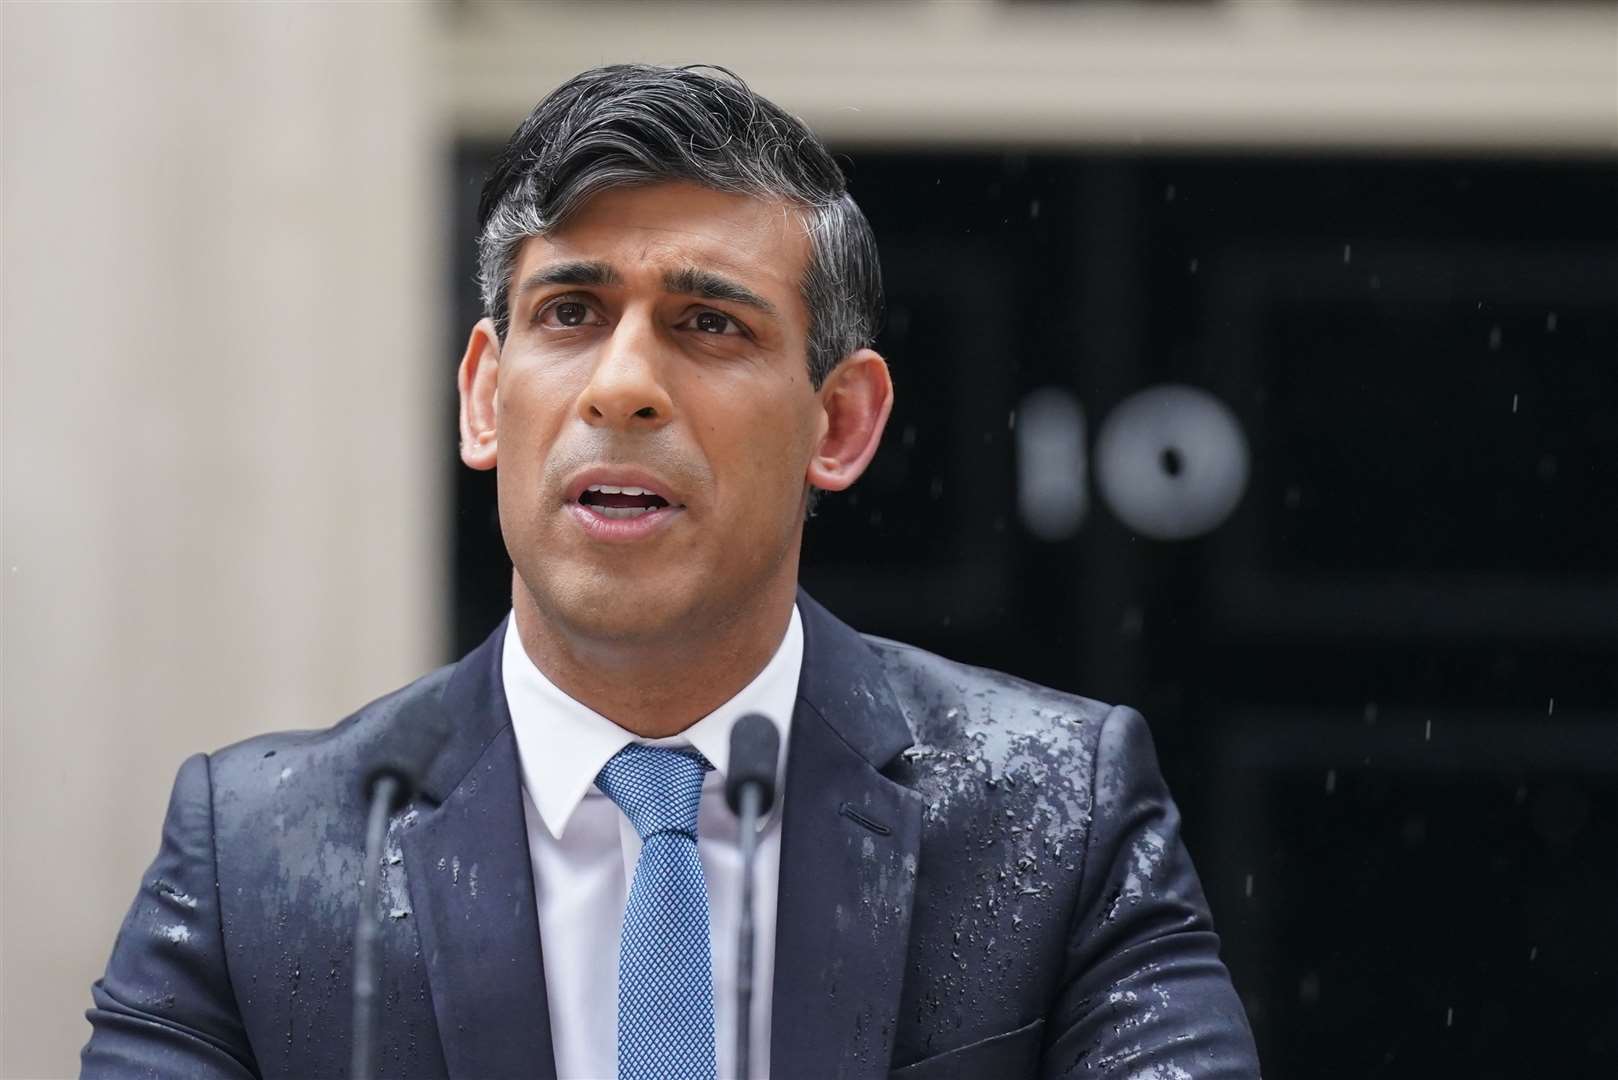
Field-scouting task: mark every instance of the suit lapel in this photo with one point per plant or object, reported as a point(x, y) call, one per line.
point(472, 887)
point(849, 845)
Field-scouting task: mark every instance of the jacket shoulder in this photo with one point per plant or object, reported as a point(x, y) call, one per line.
point(288, 766)
point(947, 702)
point(986, 737)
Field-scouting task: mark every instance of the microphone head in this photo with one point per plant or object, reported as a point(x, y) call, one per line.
point(755, 747)
point(408, 752)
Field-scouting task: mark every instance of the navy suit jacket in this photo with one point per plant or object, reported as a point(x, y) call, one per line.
point(980, 877)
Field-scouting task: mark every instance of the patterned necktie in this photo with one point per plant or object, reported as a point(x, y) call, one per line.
point(665, 976)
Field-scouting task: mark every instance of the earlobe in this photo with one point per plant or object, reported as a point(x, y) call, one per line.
point(857, 398)
point(478, 383)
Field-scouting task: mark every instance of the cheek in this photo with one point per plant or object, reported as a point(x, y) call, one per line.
point(531, 413)
point(775, 456)
point(528, 401)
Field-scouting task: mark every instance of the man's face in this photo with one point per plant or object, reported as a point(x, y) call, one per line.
point(653, 412)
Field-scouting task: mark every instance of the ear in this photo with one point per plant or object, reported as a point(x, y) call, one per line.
point(857, 397)
point(477, 380)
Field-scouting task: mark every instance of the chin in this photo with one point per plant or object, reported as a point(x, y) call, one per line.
point(610, 609)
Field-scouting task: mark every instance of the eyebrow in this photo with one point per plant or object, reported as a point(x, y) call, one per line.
point(692, 281)
point(688, 281)
point(579, 272)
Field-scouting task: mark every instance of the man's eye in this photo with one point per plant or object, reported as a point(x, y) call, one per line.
point(712, 322)
point(566, 315)
point(570, 313)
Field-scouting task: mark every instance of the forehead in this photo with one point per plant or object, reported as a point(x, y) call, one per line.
point(645, 231)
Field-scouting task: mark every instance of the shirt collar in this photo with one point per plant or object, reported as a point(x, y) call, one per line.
point(562, 744)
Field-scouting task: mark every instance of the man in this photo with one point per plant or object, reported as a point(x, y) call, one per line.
point(966, 875)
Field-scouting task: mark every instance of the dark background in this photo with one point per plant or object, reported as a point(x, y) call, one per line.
point(1385, 689)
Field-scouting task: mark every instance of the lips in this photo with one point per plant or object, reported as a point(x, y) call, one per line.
point(621, 503)
point(618, 504)
point(621, 485)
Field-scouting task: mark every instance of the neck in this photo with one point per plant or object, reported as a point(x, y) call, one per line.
point(657, 687)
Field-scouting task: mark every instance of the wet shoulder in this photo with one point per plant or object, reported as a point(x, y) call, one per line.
point(985, 736)
point(314, 764)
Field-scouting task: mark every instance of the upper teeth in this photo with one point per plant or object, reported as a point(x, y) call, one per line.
point(608, 489)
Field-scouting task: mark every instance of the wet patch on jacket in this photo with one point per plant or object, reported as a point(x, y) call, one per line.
point(1003, 767)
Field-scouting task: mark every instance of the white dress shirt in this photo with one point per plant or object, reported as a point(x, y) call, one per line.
point(584, 852)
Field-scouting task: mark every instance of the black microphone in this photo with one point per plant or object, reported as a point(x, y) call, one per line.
point(396, 774)
point(755, 747)
point(407, 756)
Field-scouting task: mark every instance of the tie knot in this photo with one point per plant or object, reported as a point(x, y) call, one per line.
point(658, 790)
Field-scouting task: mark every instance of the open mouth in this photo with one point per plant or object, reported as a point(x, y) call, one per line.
point(621, 503)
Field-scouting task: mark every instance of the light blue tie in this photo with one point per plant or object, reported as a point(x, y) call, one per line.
point(665, 976)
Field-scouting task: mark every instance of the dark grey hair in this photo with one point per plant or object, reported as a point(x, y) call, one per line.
point(636, 124)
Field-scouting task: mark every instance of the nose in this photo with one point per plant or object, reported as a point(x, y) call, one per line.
point(626, 387)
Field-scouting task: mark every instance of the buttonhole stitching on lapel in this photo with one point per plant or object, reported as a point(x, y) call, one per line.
point(855, 816)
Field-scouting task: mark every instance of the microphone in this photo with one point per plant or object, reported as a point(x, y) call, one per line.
point(395, 775)
point(411, 749)
point(755, 748)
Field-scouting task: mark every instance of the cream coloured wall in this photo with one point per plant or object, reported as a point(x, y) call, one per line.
point(223, 463)
point(1529, 76)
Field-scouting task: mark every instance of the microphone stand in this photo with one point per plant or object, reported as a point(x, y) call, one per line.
point(394, 776)
point(383, 793)
point(751, 800)
point(755, 745)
